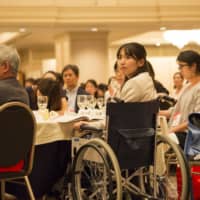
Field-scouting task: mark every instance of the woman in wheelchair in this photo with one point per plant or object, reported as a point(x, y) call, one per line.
point(189, 100)
point(138, 85)
point(143, 183)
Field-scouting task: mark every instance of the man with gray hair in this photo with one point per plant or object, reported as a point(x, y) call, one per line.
point(10, 89)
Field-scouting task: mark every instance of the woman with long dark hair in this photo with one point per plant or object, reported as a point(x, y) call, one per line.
point(51, 88)
point(138, 86)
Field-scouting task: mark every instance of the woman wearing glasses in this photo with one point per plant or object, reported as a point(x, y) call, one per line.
point(189, 100)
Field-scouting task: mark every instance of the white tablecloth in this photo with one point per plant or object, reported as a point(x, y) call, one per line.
point(55, 128)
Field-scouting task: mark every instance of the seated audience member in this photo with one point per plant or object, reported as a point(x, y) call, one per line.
point(189, 99)
point(115, 83)
point(119, 75)
point(51, 88)
point(57, 76)
point(118, 79)
point(29, 82)
point(53, 75)
point(10, 88)
point(91, 87)
point(70, 75)
point(31, 88)
point(50, 159)
point(138, 85)
point(178, 84)
point(101, 89)
point(32, 97)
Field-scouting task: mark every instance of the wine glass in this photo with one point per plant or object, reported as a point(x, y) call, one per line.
point(42, 102)
point(91, 102)
point(100, 102)
point(81, 102)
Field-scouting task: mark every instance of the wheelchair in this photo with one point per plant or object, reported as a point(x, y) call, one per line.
point(129, 161)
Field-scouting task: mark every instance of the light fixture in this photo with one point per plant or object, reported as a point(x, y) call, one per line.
point(180, 38)
point(157, 44)
point(22, 30)
point(163, 28)
point(94, 29)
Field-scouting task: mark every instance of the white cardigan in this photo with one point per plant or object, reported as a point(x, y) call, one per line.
point(138, 89)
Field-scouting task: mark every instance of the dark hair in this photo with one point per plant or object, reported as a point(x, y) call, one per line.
point(190, 57)
point(136, 51)
point(177, 73)
point(109, 80)
point(57, 75)
point(103, 87)
point(92, 81)
point(51, 88)
point(158, 85)
point(74, 68)
point(150, 69)
point(30, 80)
point(115, 66)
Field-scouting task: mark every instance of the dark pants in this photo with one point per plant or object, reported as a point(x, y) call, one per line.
point(181, 137)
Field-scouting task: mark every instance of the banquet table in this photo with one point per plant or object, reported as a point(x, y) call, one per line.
point(56, 128)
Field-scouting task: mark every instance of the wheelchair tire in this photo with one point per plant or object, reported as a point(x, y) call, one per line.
point(96, 179)
point(174, 160)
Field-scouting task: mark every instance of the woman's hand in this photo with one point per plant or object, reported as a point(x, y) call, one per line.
point(77, 125)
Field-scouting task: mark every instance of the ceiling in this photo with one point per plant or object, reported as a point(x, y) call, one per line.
point(45, 21)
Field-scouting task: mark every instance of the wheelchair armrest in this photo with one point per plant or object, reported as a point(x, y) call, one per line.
point(168, 99)
point(115, 100)
point(89, 128)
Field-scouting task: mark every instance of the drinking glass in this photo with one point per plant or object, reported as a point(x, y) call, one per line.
point(42, 102)
point(81, 101)
point(100, 102)
point(91, 102)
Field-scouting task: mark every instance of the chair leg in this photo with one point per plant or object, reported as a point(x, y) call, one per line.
point(2, 189)
point(29, 188)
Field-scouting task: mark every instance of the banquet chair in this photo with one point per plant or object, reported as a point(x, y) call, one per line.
point(16, 144)
point(129, 157)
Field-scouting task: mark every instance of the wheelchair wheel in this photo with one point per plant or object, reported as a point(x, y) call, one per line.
point(171, 170)
point(96, 172)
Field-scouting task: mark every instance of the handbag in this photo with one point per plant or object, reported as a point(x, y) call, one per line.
point(192, 143)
